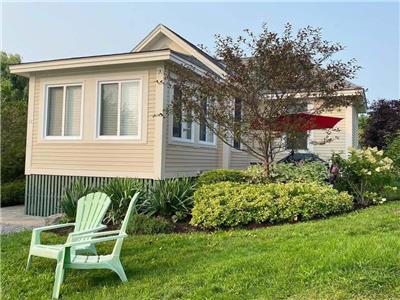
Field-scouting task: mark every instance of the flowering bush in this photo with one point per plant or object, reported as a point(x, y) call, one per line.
point(365, 174)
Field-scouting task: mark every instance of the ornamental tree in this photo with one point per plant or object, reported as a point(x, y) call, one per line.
point(267, 76)
point(383, 123)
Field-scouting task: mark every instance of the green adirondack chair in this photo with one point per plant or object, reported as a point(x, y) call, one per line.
point(89, 215)
point(67, 259)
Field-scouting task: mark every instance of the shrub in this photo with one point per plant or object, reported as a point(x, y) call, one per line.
point(220, 175)
point(121, 191)
point(229, 204)
point(302, 172)
point(144, 224)
point(71, 195)
point(365, 174)
point(287, 172)
point(255, 174)
point(13, 193)
point(393, 152)
point(170, 198)
point(13, 137)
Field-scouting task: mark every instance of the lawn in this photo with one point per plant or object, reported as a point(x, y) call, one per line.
point(356, 256)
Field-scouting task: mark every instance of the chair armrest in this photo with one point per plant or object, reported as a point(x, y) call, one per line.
point(51, 227)
point(82, 232)
point(93, 235)
point(36, 231)
point(95, 241)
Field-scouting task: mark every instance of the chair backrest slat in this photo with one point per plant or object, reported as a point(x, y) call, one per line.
point(124, 225)
point(91, 210)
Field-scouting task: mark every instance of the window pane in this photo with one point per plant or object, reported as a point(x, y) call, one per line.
point(54, 111)
point(129, 108)
point(203, 132)
point(187, 130)
point(210, 136)
point(177, 125)
point(203, 127)
point(177, 114)
point(109, 109)
point(72, 120)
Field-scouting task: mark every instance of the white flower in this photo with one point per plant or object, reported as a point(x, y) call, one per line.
point(378, 169)
point(380, 153)
point(369, 173)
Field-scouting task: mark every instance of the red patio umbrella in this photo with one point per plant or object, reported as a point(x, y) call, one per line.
point(301, 122)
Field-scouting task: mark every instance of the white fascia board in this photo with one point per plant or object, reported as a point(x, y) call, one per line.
point(25, 69)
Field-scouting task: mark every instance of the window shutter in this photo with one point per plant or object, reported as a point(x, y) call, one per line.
point(72, 122)
point(54, 111)
point(109, 109)
point(129, 108)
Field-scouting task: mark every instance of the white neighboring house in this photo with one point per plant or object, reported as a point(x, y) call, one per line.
point(94, 118)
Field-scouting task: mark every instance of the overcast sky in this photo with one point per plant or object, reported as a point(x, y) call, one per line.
point(370, 31)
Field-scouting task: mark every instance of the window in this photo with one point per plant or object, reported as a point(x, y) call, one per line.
point(63, 111)
point(296, 141)
point(205, 134)
point(182, 125)
point(238, 119)
point(119, 114)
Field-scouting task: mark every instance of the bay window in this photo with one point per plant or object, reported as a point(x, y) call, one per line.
point(63, 111)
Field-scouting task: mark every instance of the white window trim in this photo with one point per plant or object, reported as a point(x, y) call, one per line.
point(137, 137)
point(172, 138)
point(62, 137)
point(181, 139)
point(214, 143)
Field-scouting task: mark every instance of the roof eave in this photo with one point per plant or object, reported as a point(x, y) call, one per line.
point(25, 69)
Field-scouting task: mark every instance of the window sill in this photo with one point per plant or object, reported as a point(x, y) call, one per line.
point(206, 144)
point(181, 140)
point(61, 138)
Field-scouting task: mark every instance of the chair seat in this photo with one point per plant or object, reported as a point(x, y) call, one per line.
point(89, 261)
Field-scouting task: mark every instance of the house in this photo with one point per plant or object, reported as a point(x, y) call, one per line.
point(96, 117)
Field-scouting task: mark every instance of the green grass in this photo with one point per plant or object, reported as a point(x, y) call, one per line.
point(356, 256)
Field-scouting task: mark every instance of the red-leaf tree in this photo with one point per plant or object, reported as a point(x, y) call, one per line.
point(267, 76)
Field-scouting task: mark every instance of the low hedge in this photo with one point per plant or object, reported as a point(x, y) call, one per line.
point(228, 204)
point(220, 175)
point(13, 193)
point(143, 224)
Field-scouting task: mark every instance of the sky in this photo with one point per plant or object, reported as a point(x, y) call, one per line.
point(369, 31)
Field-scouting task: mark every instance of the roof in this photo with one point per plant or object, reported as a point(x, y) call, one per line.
point(213, 59)
point(192, 60)
point(84, 57)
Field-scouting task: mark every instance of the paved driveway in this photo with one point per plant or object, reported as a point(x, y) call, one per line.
point(13, 219)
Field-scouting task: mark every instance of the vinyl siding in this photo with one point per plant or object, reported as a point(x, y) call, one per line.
point(91, 156)
point(239, 159)
point(338, 145)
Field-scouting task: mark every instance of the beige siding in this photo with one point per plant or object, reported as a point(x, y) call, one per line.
point(184, 160)
point(189, 159)
point(91, 156)
point(239, 159)
point(338, 144)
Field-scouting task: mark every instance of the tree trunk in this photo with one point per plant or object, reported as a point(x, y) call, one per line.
point(266, 165)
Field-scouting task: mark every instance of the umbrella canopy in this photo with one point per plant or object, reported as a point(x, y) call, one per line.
point(301, 122)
